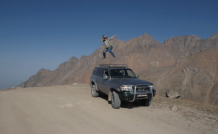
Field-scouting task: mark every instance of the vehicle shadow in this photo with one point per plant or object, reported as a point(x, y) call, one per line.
point(124, 104)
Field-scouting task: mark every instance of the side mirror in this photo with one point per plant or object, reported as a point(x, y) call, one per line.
point(137, 76)
point(105, 77)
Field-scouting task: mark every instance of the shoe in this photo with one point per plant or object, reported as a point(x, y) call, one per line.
point(113, 55)
point(104, 58)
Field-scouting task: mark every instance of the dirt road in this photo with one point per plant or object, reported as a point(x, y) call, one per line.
point(72, 110)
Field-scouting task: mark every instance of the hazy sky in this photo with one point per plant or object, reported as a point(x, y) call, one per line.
point(37, 34)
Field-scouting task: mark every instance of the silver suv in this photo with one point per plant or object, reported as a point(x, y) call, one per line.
point(120, 84)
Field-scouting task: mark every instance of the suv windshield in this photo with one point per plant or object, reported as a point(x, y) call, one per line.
point(122, 73)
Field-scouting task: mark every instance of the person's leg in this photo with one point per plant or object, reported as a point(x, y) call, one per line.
point(110, 50)
point(104, 55)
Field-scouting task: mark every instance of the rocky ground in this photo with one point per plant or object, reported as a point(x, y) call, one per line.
point(71, 109)
point(192, 111)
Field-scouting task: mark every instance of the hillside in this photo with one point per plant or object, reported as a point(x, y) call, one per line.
point(186, 64)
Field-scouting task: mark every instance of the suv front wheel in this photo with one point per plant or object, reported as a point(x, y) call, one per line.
point(94, 92)
point(115, 100)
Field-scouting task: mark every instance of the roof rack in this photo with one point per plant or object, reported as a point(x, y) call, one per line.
point(113, 65)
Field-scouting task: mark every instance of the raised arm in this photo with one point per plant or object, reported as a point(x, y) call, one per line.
point(114, 36)
point(102, 39)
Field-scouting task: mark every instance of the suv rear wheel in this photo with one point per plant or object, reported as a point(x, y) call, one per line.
point(146, 102)
point(115, 100)
point(94, 92)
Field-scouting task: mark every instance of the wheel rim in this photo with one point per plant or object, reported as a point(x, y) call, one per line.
point(93, 89)
point(149, 103)
point(112, 100)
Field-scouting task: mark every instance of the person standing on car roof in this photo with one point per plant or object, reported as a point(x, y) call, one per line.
point(108, 45)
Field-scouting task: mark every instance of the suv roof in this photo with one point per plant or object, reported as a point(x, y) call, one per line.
point(113, 65)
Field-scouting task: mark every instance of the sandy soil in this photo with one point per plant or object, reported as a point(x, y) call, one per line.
point(72, 110)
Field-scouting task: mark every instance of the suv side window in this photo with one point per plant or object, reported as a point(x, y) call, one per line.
point(106, 72)
point(100, 72)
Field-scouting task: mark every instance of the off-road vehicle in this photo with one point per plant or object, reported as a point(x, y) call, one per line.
point(120, 84)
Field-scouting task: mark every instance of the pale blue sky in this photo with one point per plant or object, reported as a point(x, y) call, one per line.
point(44, 33)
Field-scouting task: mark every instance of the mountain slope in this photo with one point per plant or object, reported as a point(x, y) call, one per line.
point(187, 64)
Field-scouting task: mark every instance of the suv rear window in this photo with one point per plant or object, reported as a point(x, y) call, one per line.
point(95, 71)
point(98, 71)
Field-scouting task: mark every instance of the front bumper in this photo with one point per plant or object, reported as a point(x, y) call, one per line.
point(130, 96)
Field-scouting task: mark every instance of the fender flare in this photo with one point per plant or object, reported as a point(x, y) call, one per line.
point(112, 88)
point(96, 86)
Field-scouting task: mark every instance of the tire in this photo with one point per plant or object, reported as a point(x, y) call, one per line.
point(115, 100)
point(94, 93)
point(146, 102)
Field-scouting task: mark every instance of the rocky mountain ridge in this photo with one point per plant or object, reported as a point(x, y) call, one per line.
point(186, 64)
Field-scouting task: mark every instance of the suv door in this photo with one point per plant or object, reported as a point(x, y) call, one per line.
point(105, 82)
point(99, 78)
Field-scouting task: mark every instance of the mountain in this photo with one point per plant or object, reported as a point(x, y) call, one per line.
point(186, 64)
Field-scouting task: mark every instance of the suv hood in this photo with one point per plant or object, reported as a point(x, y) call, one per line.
point(129, 81)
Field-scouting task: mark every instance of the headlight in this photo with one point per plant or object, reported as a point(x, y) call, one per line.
point(151, 87)
point(126, 88)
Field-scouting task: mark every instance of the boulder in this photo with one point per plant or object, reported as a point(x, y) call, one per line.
point(172, 94)
point(174, 108)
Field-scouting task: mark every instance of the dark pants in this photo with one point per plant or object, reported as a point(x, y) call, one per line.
point(109, 50)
